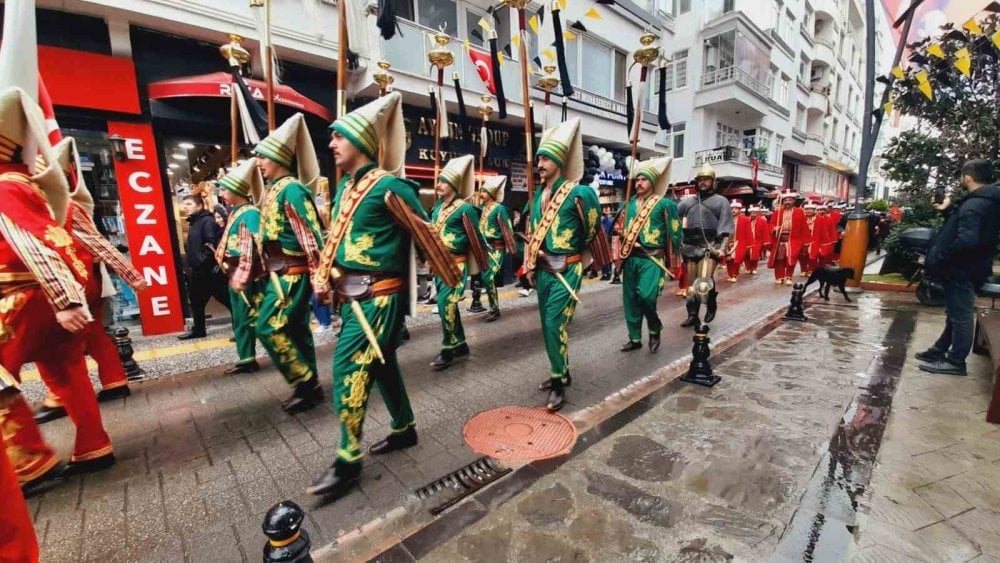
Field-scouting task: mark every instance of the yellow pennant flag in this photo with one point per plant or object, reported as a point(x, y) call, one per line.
point(996, 39)
point(466, 42)
point(500, 58)
point(593, 14)
point(562, 4)
point(936, 50)
point(972, 26)
point(898, 73)
point(924, 85)
point(516, 41)
point(549, 54)
point(569, 35)
point(963, 62)
point(888, 107)
point(533, 24)
point(485, 25)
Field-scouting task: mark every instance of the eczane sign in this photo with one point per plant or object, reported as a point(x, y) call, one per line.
point(144, 210)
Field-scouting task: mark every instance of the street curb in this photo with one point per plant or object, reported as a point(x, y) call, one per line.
point(384, 535)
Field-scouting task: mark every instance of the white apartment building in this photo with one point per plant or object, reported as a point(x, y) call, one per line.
point(780, 80)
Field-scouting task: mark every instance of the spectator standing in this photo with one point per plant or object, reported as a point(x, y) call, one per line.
point(962, 258)
point(205, 278)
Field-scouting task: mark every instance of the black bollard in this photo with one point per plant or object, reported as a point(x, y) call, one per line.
point(795, 310)
point(124, 344)
point(477, 295)
point(287, 542)
point(700, 371)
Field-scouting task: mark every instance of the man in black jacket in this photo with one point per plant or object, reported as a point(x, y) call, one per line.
point(205, 279)
point(962, 258)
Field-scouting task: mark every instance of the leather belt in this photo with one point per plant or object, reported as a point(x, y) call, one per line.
point(498, 244)
point(278, 261)
point(557, 263)
point(361, 286)
point(642, 251)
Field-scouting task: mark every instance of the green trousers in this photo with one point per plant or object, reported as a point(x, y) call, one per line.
point(489, 277)
point(642, 282)
point(244, 312)
point(556, 308)
point(356, 367)
point(283, 327)
point(448, 298)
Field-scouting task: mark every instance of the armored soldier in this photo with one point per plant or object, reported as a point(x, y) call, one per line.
point(369, 261)
point(91, 245)
point(652, 236)
point(708, 223)
point(287, 161)
point(237, 253)
point(565, 219)
point(496, 228)
point(455, 221)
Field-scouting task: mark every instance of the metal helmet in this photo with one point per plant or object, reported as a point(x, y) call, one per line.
point(706, 171)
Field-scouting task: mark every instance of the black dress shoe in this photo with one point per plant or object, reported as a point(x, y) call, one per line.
point(943, 367)
point(338, 480)
point(557, 396)
point(250, 367)
point(306, 397)
point(48, 414)
point(654, 342)
point(629, 346)
point(44, 482)
point(494, 315)
point(691, 321)
point(443, 360)
point(119, 392)
point(394, 442)
point(711, 305)
point(74, 468)
point(929, 356)
point(616, 281)
point(461, 351)
point(547, 384)
point(192, 334)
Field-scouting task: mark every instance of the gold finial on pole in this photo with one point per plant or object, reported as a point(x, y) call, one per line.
point(237, 56)
point(383, 78)
point(643, 56)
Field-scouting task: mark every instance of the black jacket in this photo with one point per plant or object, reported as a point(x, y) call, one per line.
point(963, 249)
point(203, 234)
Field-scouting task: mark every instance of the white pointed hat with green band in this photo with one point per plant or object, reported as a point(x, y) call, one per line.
point(460, 175)
point(245, 181)
point(563, 144)
point(656, 170)
point(69, 160)
point(378, 124)
point(291, 146)
point(496, 187)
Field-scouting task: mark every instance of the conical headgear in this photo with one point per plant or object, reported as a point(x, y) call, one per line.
point(68, 158)
point(657, 171)
point(291, 146)
point(458, 174)
point(22, 128)
point(245, 181)
point(789, 193)
point(706, 171)
point(379, 122)
point(496, 187)
point(563, 144)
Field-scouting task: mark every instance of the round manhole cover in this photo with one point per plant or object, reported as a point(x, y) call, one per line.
point(518, 433)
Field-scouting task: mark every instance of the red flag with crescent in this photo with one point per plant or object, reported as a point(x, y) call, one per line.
point(485, 67)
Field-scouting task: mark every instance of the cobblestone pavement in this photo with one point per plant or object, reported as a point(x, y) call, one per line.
point(202, 456)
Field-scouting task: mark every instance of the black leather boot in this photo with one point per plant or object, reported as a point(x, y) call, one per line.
point(338, 480)
point(547, 384)
point(249, 367)
point(557, 396)
point(654, 342)
point(461, 351)
point(492, 316)
point(114, 393)
point(692, 319)
point(711, 305)
point(630, 346)
point(89, 466)
point(394, 442)
point(443, 361)
point(307, 395)
point(48, 414)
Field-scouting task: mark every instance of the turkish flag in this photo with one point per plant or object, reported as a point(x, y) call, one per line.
point(485, 67)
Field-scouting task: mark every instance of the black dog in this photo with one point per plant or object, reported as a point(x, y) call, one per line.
point(829, 276)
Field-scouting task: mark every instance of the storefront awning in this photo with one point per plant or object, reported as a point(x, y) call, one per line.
point(737, 190)
point(219, 85)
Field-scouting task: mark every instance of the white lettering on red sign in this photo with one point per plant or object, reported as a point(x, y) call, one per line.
point(150, 246)
point(133, 149)
point(160, 306)
point(133, 182)
point(145, 210)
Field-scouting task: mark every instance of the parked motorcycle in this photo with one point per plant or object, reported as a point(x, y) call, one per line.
point(918, 241)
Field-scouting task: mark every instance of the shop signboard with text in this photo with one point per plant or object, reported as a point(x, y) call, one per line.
point(144, 210)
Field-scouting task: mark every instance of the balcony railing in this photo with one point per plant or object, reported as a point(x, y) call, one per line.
point(735, 74)
point(799, 134)
point(731, 154)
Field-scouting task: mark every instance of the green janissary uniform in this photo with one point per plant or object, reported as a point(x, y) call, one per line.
point(569, 234)
point(283, 318)
point(643, 278)
point(246, 303)
point(493, 221)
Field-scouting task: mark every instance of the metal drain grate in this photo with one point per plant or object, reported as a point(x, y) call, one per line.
point(461, 483)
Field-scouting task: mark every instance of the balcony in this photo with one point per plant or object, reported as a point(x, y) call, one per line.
point(823, 51)
point(733, 163)
point(799, 134)
point(819, 101)
point(814, 147)
point(727, 89)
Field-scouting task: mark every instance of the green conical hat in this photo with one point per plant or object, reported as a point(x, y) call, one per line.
point(378, 123)
point(496, 187)
point(657, 171)
point(245, 181)
point(564, 145)
point(459, 174)
point(291, 146)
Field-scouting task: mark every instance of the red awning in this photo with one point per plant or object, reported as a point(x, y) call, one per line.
point(219, 84)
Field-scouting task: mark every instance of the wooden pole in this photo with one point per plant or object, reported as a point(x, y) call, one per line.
point(341, 70)
point(234, 121)
point(529, 125)
point(269, 53)
point(437, 130)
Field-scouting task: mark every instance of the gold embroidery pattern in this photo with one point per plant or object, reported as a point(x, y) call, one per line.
point(484, 222)
point(560, 240)
point(58, 236)
point(355, 248)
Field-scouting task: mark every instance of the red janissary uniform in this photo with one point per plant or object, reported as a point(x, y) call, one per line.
point(761, 238)
point(88, 241)
point(835, 216)
point(17, 534)
point(789, 233)
point(810, 250)
point(824, 239)
point(40, 272)
point(742, 245)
